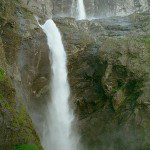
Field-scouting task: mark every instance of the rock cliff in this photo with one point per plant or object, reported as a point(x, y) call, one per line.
point(109, 70)
point(109, 75)
point(18, 46)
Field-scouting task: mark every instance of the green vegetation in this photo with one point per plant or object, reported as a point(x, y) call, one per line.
point(2, 77)
point(1, 96)
point(147, 42)
point(134, 90)
point(25, 147)
point(146, 37)
point(2, 74)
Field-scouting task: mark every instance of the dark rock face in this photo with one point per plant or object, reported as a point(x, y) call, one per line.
point(109, 77)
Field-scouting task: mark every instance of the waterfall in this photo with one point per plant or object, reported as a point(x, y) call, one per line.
point(81, 10)
point(59, 117)
point(73, 8)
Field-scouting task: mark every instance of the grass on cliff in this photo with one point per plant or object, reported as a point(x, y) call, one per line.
point(25, 147)
point(2, 74)
point(146, 39)
point(2, 77)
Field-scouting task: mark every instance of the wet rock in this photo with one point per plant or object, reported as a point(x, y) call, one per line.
point(108, 73)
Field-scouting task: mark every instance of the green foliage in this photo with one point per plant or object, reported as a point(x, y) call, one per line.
point(2, 77)
point(146, 37)
point(134, 90)
point(2, 74)
point(1, 96)
point(25, 147)
point(114, 90)
point(147, 42)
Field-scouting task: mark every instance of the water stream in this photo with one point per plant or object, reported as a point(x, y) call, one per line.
point(59, 135)
point(81, 10)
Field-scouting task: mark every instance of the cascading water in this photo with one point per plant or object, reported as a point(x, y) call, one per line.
point(58, 136)
point(81, 10)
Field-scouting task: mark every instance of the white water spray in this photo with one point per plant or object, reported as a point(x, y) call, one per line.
point(59, 135)
point(81, 10)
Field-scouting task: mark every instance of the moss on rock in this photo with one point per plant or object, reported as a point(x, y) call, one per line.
point(2, 74)
point(16, 126)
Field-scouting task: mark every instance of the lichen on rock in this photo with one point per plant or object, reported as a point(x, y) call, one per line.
point(15, 122)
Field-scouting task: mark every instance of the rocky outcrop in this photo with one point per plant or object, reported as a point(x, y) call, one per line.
point(42, 9)
point(108, 63)
point(21, 58)
point(99, 8)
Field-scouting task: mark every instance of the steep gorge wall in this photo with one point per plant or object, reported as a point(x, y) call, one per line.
point(23, 56)
point(109, 76)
